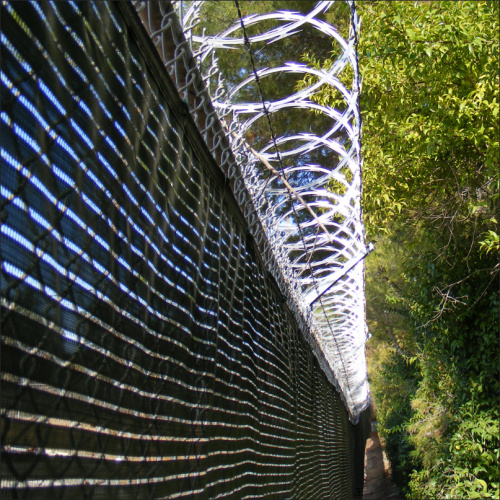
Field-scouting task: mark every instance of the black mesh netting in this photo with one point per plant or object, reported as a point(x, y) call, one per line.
point(146, 352)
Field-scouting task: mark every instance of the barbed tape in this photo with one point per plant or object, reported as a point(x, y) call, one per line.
point(317, 261)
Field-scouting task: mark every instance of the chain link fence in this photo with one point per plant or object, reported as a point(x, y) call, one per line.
point(147, 352)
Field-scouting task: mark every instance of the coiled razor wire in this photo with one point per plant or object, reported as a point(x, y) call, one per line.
point(313, 225)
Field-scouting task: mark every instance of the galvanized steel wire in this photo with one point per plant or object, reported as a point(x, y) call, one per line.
point(317, 236)
point(148, 350)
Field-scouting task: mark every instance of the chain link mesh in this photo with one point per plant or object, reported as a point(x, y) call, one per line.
point(147, 351)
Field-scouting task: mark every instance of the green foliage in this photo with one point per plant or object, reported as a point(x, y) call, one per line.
point(456, 339)
point(393, 391)
point(430, 107)
point(468, 461)
point(490, 243)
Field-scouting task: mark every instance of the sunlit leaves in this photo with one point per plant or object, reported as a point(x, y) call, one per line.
point(429, 101)
point(430, 105)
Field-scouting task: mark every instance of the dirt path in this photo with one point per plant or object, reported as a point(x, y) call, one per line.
point(378, 483)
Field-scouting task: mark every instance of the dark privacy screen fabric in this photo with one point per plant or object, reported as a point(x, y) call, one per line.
point(146, 352)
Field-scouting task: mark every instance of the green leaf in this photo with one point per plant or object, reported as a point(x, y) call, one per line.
point(483, 484)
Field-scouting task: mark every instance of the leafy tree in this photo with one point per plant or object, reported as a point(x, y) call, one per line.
point(430, 107)
point(430, 111)
point(430, 146)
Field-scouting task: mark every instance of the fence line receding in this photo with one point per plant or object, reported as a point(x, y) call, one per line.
point(157, 334)
point(299, 159)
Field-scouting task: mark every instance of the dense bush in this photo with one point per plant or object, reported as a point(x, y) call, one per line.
point(430, 105)
point(438, 403)
point(430, 143)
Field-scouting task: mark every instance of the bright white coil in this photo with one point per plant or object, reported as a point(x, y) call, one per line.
point(322, 259)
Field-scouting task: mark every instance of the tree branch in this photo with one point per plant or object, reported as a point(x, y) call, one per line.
point(391, 335)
